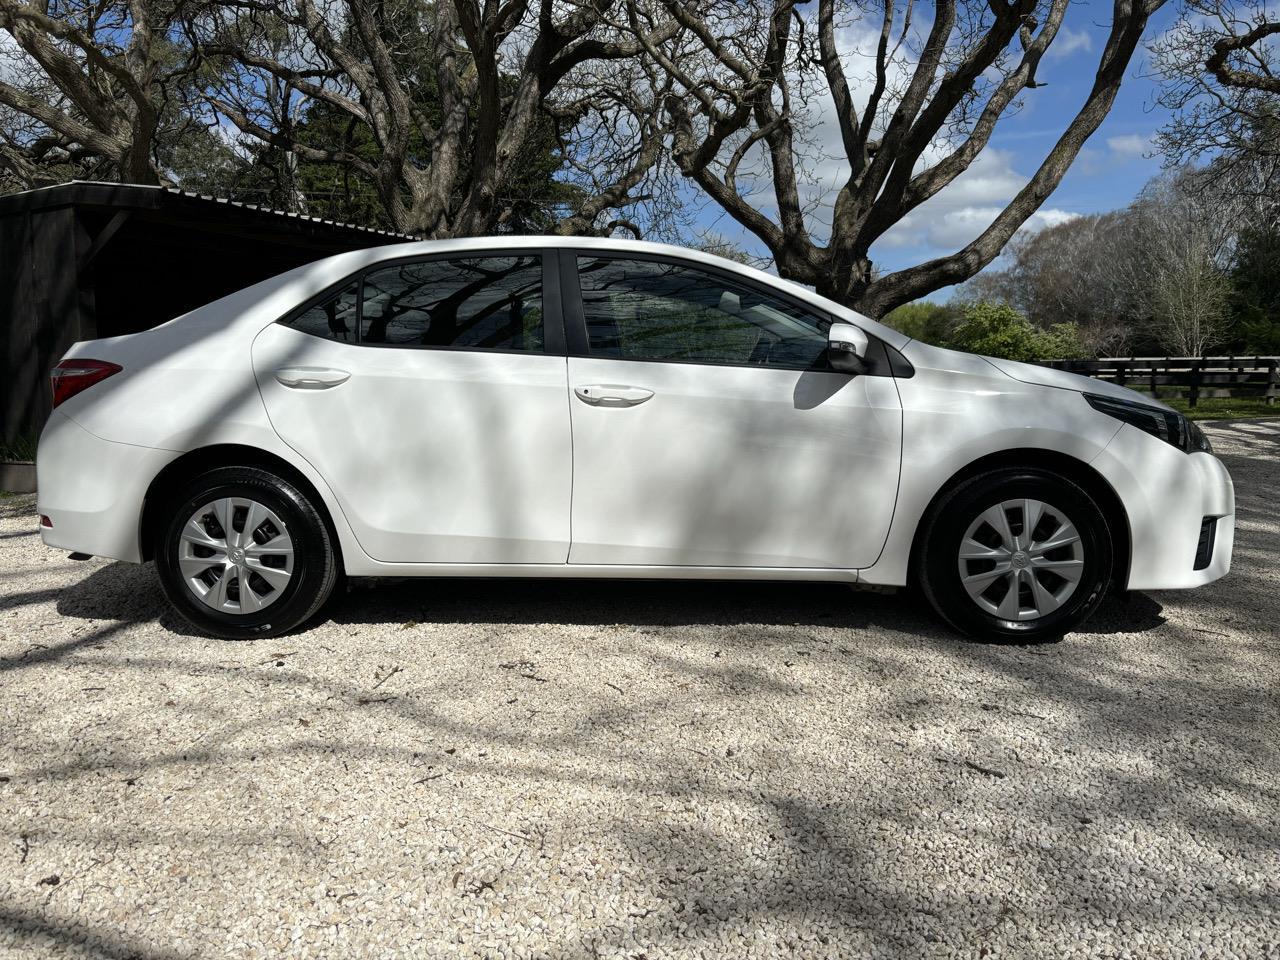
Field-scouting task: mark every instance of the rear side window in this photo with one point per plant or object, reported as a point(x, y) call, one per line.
point(656, 310)
point(474, 303)
point(333, 318)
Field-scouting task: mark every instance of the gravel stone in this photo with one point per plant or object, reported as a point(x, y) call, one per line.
point(578, 770)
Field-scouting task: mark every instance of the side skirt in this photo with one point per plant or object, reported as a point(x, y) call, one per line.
point(364, 567)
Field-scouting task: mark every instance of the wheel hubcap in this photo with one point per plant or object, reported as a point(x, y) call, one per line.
point(235, 555)
point(1021, 559)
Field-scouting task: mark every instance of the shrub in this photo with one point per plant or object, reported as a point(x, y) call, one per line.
point(998, 330)
point(1062, 341)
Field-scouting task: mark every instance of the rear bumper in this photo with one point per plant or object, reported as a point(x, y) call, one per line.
point(93, 489)
point(1168, 495)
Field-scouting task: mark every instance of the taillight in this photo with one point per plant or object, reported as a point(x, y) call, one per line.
point(71, 376)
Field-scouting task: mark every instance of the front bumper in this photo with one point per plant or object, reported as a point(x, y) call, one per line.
point(93, 489)
point(1168, 495)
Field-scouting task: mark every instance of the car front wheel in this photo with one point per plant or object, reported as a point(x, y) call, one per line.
point(1015, 555)
point(245, 554)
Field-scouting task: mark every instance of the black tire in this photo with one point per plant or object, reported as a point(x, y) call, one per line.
point(938, 555)
point(315, 565)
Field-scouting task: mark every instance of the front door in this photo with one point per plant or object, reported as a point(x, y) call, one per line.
point(707, 430)
point(424, 393)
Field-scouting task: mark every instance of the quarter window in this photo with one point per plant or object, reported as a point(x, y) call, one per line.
point(475, 303)
point(653, 310)
point(333, 318)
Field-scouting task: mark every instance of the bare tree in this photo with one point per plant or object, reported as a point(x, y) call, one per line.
point(746, 73)
point(1185, 252)
point(612, 139)
point(1188, 296)
point(84, 86)
point(1220, 70)
point(1088, 271)
point(1156, 270)
point(453, 94)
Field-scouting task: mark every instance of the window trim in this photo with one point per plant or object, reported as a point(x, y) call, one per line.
point(575, 320)
point(293, 313)
point(553, 321)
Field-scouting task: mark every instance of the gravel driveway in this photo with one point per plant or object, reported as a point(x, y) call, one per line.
point(640, 770)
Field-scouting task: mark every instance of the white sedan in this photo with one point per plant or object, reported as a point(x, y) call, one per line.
point(541, 407)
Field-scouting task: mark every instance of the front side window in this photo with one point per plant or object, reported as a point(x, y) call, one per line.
point(473, 303)
point(333, 318)
point(651, 310)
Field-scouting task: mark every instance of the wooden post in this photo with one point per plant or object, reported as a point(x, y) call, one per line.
point(1121, 377)
point(1196, 375)
point(1155, 391)
point(1271, 382)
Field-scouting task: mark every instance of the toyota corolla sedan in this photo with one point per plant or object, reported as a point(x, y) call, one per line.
point(539, 407)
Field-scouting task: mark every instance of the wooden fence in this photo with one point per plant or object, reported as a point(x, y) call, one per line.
point(1195, 377)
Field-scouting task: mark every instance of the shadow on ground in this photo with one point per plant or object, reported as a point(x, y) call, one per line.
point(697, 763)
point(129, 593)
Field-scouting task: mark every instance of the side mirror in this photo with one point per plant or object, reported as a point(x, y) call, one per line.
point(847, 348)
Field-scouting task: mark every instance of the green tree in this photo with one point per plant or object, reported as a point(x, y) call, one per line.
point(931, 322)
point(1255, 296)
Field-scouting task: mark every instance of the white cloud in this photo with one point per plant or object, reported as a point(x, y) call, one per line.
point(1067, 42)
point(1130, 145)
point(966, 207)
point(1052, 217)
point(947, 230)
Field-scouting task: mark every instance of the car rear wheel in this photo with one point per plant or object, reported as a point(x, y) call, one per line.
point(245, 554)
point(1015, 555)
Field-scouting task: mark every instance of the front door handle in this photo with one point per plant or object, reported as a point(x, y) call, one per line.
point(311, 378)
point(612, 395)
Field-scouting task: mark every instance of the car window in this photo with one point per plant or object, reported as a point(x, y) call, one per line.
point(651, 310)
point(477, 303)
point(333, 318)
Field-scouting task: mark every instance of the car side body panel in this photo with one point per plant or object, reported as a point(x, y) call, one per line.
point(961, 408)
point(733, 466)
point(195, 389)
point(93, 489)
point(190, 384)
point(434, 455)
point(957, 409)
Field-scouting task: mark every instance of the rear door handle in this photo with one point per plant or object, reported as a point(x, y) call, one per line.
point(612, 395)
point(311, 378)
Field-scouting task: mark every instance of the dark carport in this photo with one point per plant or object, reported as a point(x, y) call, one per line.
point(87, 260)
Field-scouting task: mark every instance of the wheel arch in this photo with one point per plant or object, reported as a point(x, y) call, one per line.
point(1077, 471)
point(201, 460)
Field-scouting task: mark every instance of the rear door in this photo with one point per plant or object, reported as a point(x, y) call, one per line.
point(431, 395)
point(708, 429)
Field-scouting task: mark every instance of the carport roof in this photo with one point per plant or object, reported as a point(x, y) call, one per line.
point(127, 196)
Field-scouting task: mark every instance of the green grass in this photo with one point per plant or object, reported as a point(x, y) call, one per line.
point(1224, 408)
point(22, 448)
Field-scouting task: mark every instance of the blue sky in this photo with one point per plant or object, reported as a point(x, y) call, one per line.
point(1110, 171)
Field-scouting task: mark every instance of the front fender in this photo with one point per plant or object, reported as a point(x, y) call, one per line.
point(955, 414)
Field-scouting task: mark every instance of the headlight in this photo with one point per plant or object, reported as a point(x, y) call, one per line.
point(1168, 425)
point(1197, 442)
